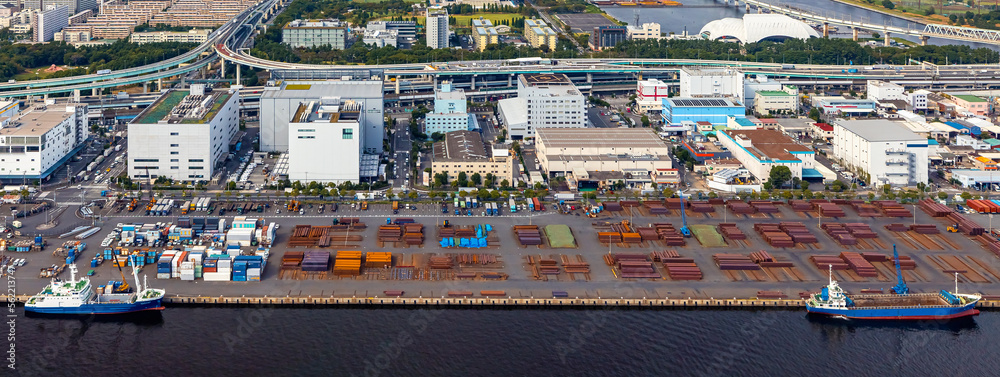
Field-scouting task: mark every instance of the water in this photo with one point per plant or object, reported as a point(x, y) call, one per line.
point(471, 342)
point(696, 13)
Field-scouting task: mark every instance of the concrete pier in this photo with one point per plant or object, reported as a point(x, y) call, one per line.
point(854, 33)
point(888, 39)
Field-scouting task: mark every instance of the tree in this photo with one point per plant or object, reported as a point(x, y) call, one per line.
point(231, 185)
point(889, 5)
point(779, 175)
point(504, 184)
point(942, 195)
point(463, 179)
point(966, 195)
point(814, 114)
point(645, 121)
point(412, 195)
point(477, 179)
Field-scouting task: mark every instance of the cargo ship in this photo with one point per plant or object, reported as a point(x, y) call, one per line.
point(902, 305)
point(78, 296)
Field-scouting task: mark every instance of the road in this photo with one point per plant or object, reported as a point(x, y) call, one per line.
point(401, 146)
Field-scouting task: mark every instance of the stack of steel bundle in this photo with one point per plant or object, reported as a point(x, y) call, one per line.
point(446, 232)
point(413, 234)
point(829, 210)
point(608, 237)
point(673, 203)
point(991, 243)
point(935, 209)
point(896, 227)
point(761, 256)
point(858, 263)
point(635, 266)
point(681, 268)
point(528, 234)
point(316, 261)
point(576, 267)
point(611, 206)
point(659, 256)
point(300, 237)
point(482, 259)
point(441, 263)
point(800, 205)
point(965, 225)
point(669, 235)
point(823, 262)
point(773, 235)
point(292, 260)
point(389, 233)
point(647, 233)
point(348, 263)
point(980, 206)
point(460, 293)
point(734, 262)
point(866, 210)
point(739, 207)
point(378, 259)
point(763, 206)
point(860, 230)
point(925, 228)
point(798, 232)
point(771, 294)
point(700, 207)
point(840, 233)
point(731, 231)
point(875, 257)
point(892, 208)
point(716, 201)
point(548, 267)
point(656, 208)
point(493, 275)
point(905, 263)
point(629, 203)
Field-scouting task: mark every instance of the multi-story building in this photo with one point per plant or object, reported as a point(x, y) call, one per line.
point(48, 22)
point(649, 96)
point(881, 151)
point(681, 113)
point(844, 106)
point(593, 150)
point(405, 30)
point(190, 36)
point(607, 36)
point(278, 104)
point(712, 82)
point(450, 112)
point(465, 152)
point(381, 38)
point(75, 6)
point(37, 141)
point(81, 17)
point(117, 20)
point(918, 100)
point(437, 27)
point(72, 36)
point(484, 34)
point(538, 33)
point(200, 13)
point(543, 100)
point(325, 142)
point(315, 33)
point(970, 103)
point(784, 101)
point(884, 91)
point(760, 150)
point(7, 10)
point(183, 135)
point(649, 30)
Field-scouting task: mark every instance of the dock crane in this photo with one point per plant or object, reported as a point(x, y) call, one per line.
point(900, 288)
point(124, 287)
point(685, 231)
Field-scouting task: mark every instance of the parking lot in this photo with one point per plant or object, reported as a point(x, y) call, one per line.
point(584, 22)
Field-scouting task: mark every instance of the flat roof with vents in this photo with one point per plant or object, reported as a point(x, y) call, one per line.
point(701, 102)
point(546, 79)
point(35, 122)
point(598, 138)
point(462, 146)
point(769, 145)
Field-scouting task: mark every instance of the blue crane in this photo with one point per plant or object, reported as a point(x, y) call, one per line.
point(900, 288)
point(685, 231)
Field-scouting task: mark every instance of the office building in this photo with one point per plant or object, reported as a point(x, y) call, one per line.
point(680, 112)
point(381, 38)
point(649, 30)
point(183, 135)
point(884, 91)
point(50, 21)
point(918, 100)
point(406, 31)
point(325, 142)
point(279, 103)
point(543, 100)
point(190, 36)
point(760, 150)
point(883, 151)
point(784, 101)
point(649, 96)
point(712, 82)
point(315, 33)
point(607, 36)
point(437, 27)
point(465, 151)
point(484, 34)
point(39, 140)
point(450, 112)
point(538, 33)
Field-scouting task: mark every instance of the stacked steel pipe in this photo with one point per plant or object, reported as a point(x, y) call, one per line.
point(897, 227)
point(611, 206)
point(389, 233)
point(647, 233)
point(656, 208)
point(965, 225)
point(528, 234)
point(673, 203)
point(347, 263)
point(763, 206)
point(669, 235)
point(739, 207)
point(378, 259)
point(829, 210)
point(548, 267)
point(935, 209)
point(822, 262)
point(892, 208)
point(636, 266)
point(925, 228)
point(840, 233)
point(700, 207)
point(798, 232)
point(441, 263)
point(773, 235)
point(629, 203)
point(858, 263)
point(292, 260)
point(866, 210)
point(800, 205)
point(735, 262)
point(730, 231)
point(413, 234)
point(678, 268)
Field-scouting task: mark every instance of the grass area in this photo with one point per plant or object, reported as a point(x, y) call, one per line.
point(911, 13)
point(465, 20)
point(37, 73)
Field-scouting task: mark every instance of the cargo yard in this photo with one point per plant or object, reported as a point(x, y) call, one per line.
point(721, 252)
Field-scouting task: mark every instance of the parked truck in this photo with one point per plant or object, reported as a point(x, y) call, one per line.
point(513, 206)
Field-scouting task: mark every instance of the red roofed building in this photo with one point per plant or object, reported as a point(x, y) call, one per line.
point(821, 131)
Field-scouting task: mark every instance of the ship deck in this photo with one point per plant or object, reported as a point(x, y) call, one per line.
point(919, 299)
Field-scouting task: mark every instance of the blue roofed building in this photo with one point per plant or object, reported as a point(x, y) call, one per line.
point(677, 111)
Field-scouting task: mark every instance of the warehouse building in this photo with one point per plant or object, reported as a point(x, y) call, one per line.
point(593, 155)
point(464, 151)
point(279, 103)
point(697, 82)
point(679, 113)
point(848, 107)
point(325, 142)
point(37, 141)
point(183, 135)
point(761, 150)
point(315, 33)
point(885, 151)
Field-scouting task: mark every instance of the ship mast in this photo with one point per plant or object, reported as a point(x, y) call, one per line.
point(135, 276)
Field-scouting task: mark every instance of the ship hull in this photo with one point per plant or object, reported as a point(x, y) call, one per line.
point(99, 308)
point(914, 313)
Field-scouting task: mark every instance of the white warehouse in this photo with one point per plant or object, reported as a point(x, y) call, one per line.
point(40, 139)
point(888, 152)
point(325, 142)
point(183, 134)
point(712, 82)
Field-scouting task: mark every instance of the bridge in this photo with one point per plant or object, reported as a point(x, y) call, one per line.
point(949, 32)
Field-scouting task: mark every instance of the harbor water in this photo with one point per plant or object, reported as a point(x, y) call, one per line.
point(694, 14)
point(493, 342)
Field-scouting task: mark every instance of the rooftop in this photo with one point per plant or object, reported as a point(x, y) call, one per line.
point(968, 98)
point(461, 146)
point(879, 130)
point(768, 144)
point(824, 127)
point(701, 102)
point(774, 93)
point(538, 79)
point(36, 121)
point(325, 89)
point(317, 24)
point(180, 106)
point(598, 138)
point(326, 112)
